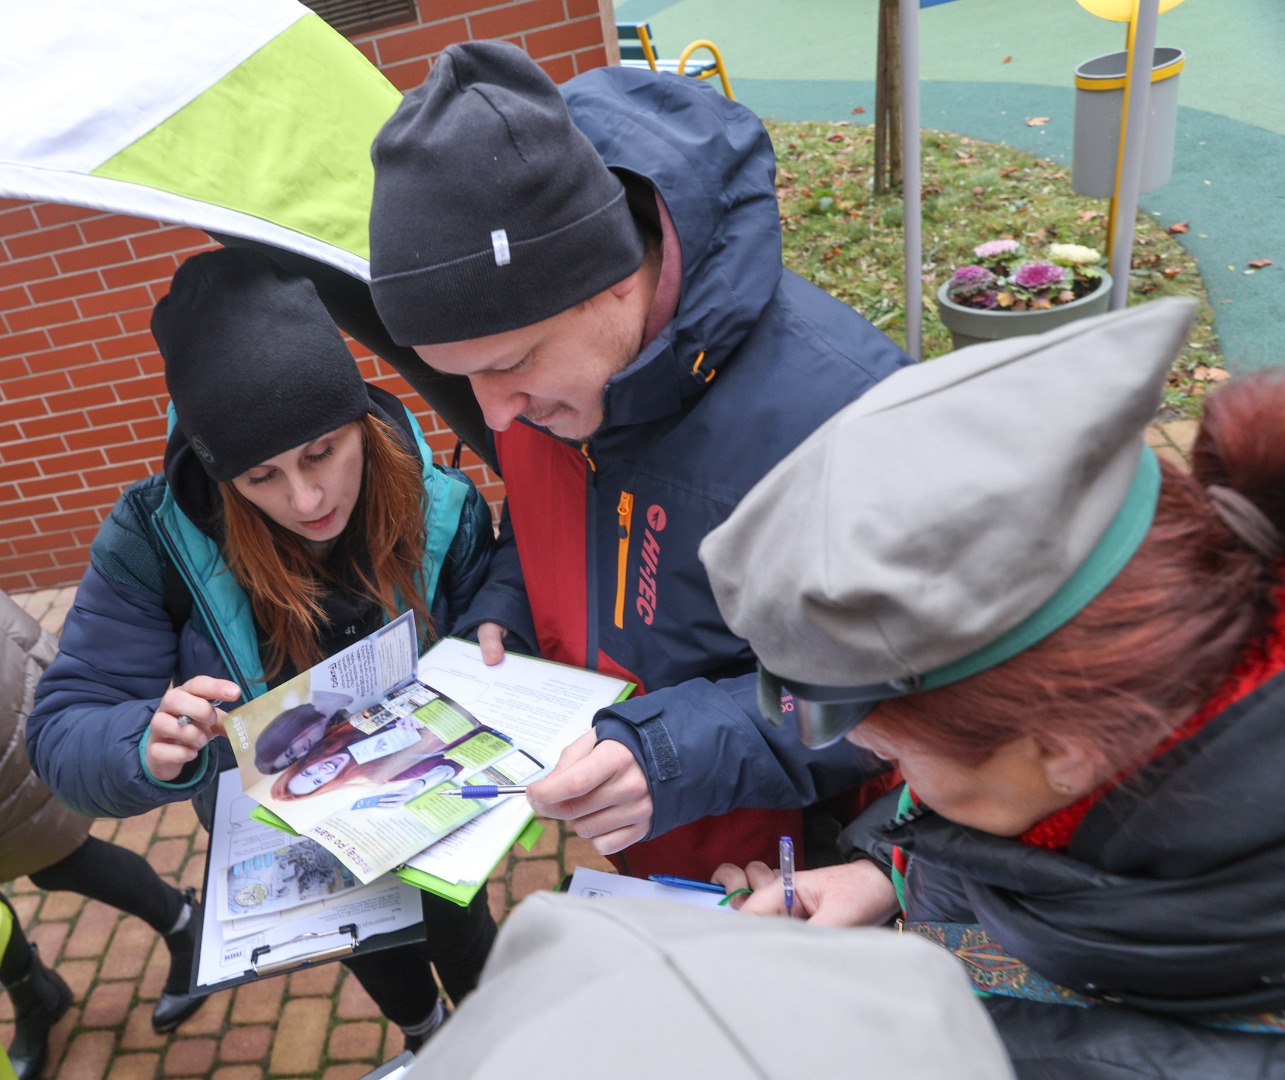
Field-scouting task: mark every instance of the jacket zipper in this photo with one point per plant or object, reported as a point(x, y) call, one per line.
point(624, 515)
point(591, 558)
point(220, 642)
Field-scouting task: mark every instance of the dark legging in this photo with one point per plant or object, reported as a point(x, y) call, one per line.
point(400, 980)
point(116, 876)
point(16, 960)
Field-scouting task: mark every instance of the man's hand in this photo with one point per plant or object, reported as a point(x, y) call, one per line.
point(601, 789)
point(184, 722)
point(855, 894)
point(490, 636)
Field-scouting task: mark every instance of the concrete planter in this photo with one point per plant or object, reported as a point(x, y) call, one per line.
point(969, 326)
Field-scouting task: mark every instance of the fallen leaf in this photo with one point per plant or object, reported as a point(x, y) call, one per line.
point(979, 190)
point(859, 110)
point(1177, 227)
point(836, 137)
point(1258, 264)
point(1006, 60)
point(1172, 272)
point(1219, 375)
point(1009, 171)
point(1037, 121)
point(1086, 216)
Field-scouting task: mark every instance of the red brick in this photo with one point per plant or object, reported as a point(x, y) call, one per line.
point(566, 38)
point(128, 344)
point(14, 367)
point(106, 373)
point(516, 18)
point(118, 475)
point(108, 435)
point(24, 271)
point(533, 876)
point(96, 498)
point(258, 1002)
point(445, 9)
point(52, 483)
point(350, 1042)
point(51, 382)
point(19, 218)
point(153, 427)
point(403, 76)
point(116, 300)
point(38, 507)
point(250, 1042)
point(41, 315)
point(56, 288)
point(138, 320)
point(134, 1067)
point(108, 1004)
point(34, 448)
point(149, 387)
point(179, 240)
point(421, 41)
point(156, 269)
point(110, 226)
point(121, 411)
point(88, 1056)
point(70, 520)
point(301, 1036)
point(93, 256)
point(588, 59)
point(44, 241)
point(9, 432)
point(36, 426)
point(367, 49)
point(13, 298)
point(190, 1057)
point(70, 463)
point(104, 326)
point(48, 214)
point(582, 9)
point(29, 564)
point(21, 345)
point(57, 359)
point(81, 397)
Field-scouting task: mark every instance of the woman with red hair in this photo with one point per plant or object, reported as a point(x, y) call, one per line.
point(1075, 656)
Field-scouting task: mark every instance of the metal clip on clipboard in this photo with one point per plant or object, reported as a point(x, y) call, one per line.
point(305, 949)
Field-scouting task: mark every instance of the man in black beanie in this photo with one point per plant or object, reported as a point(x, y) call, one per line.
point(604, 264)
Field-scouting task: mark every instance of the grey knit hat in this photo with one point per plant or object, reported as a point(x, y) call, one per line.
point(951, 517)
point(491, 209)
point(254, 364)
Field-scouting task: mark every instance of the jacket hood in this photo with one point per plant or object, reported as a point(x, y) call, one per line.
point(197, 495)
point(711, 163)
point(1171, 896)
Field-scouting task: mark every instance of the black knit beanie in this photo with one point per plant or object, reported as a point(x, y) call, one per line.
point(491, 209)
point(253, 361)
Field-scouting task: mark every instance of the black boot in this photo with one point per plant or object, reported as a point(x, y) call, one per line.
point(176, 1003)
point(40, 999)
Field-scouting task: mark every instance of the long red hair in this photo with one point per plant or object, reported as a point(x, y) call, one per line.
point(1164, 635)
point(383, 541)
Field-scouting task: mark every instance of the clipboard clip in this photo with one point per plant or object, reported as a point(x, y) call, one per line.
point(311, 948)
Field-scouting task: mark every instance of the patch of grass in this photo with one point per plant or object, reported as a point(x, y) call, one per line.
point(849, 242)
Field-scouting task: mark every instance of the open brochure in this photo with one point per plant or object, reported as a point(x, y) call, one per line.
point(356, 753)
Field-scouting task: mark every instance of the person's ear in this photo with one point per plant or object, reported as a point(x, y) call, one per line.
point(625, 286)
point(1071, 767)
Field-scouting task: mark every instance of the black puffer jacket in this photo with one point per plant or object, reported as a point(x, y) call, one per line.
point(1168, 904)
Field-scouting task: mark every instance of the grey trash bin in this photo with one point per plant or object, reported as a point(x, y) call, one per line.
point(1099, 109)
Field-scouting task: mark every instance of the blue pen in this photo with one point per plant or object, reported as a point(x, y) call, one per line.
point(685, 883)
point(485, 791)
point(787, 873)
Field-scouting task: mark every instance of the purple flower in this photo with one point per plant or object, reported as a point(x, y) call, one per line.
point(968, 280)
point(1036, 276)
point(993, 249)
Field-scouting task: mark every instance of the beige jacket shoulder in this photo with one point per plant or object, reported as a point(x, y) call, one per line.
point(36, 830)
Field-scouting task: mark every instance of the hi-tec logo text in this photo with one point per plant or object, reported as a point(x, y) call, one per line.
point(646, 603)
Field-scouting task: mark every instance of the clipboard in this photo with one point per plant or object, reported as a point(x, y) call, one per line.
point(287, 944)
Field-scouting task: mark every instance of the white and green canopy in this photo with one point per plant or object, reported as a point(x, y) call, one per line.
point(249, 119)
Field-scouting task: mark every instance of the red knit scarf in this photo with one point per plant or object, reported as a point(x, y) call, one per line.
point(1261, 661)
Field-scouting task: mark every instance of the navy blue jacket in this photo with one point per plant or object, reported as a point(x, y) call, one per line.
point(597, 564)
point(120, 648)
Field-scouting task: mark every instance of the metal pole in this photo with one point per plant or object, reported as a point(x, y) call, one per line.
point(1137, 92)
point(910, 182)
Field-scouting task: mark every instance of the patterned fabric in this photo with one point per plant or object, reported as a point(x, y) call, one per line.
point(991, 970)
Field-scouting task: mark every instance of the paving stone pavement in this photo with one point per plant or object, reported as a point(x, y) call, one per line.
point(312, 1024)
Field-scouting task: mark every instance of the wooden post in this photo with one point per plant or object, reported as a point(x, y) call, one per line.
point(888, 144)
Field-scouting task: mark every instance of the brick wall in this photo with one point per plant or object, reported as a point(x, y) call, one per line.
point(82, 395)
